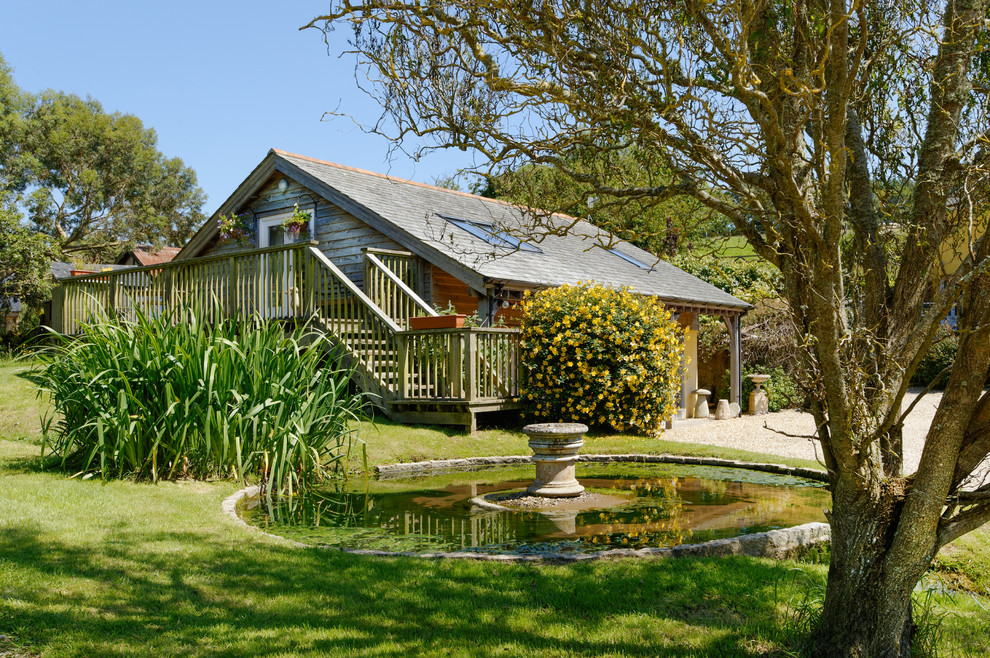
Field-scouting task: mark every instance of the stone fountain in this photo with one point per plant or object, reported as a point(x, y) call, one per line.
point(759, 404)
point(555, 448)
point(555, 493)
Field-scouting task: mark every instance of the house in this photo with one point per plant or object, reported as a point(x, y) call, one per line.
point(383, 250)
point(143, 255)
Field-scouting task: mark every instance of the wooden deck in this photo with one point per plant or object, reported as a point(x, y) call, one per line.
point(438, 376)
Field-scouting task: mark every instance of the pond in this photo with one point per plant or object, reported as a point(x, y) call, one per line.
point(632, 506)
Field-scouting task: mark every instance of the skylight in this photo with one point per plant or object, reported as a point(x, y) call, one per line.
point(626, 257)
point(491, 235)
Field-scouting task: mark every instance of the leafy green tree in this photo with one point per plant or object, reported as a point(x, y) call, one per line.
point(792, 120)
point(24, 272)
point(79, 184)
point(664, 228)
point(95, 181)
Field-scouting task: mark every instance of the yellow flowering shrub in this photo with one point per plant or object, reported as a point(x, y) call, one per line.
point(604, 357)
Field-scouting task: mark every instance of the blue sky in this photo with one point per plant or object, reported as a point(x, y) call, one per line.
point(220, 81)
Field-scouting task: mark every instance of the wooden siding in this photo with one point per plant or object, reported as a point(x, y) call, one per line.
point(342, 236)
point(511, 316)
point(448, 289)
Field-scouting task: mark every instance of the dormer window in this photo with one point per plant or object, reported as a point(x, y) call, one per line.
point(629, 259)
point(492, 235)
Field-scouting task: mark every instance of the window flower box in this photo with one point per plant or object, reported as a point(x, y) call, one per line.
point(455, 321)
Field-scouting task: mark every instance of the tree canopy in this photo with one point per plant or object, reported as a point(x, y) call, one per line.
point(663, 228)
point(807, 125)
point(80, 184)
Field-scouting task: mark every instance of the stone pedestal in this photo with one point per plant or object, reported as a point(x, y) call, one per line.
point(723, 411)
point(555, 447)
point(758, 402)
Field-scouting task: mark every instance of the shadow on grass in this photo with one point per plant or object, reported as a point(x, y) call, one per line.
point(193, 594)
point(26, 464)
point(31, 374)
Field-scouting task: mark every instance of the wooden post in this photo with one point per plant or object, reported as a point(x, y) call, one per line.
point(471, 364)
point(112, 296)
point(402, 345)
point(310, 278)
point(455, 368)
point(733, 324)
point(232, 288)
point(58, 309)
point(168, 297)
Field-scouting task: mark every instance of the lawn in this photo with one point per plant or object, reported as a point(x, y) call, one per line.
point(121, 568)
point(731, 246)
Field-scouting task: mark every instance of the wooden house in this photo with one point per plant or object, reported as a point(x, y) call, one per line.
point(382, 250)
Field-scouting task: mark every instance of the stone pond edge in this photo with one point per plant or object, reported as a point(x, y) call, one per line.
point(775, 544)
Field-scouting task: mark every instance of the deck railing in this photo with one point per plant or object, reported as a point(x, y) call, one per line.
point(298, 281)
point(471, 363)
point(389, 290)
point(265, 282)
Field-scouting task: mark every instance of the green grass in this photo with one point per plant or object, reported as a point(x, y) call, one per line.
point(20, 411)
point(124, 568)
point(93, 569)
point(730, 246)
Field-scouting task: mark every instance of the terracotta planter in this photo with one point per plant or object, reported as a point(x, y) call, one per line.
point(80, 272)
point(455, 321)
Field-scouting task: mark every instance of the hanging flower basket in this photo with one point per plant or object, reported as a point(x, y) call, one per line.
point(236, 229)
point(298, 224)
point(455, 321)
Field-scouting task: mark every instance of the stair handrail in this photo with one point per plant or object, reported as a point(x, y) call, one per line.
point(400, 284)
point(353, 289)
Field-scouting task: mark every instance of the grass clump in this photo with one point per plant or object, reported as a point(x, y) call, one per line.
point(161, 398)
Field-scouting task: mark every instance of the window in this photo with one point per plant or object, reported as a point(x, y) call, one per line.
point(626, 257)
point(491, 235)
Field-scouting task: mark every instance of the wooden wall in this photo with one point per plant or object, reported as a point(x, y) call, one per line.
point(447, 288)
point(341, 235)
point(511, 316)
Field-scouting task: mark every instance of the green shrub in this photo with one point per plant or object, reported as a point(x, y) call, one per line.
point(750, 280)
point(941, 356)
point(608, 358)
point(782, 392)
point(161, 398)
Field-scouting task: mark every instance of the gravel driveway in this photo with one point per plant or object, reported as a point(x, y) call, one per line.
point(789, 433)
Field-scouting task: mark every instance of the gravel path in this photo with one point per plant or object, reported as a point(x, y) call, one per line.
point(789, 433)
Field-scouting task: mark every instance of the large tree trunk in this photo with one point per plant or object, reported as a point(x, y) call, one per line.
point(867, 609)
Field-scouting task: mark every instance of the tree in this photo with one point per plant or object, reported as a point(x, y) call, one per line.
point(24, 273)
point(787, 118)
point(91, 181)
point(661, 228)
point(96, 181)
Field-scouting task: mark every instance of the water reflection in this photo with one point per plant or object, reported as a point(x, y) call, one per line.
point(418, 515)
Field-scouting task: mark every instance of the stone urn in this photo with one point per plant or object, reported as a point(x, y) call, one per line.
point(758, 402)
point(555, 447)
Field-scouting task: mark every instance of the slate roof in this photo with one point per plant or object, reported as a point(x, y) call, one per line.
point(417, 214)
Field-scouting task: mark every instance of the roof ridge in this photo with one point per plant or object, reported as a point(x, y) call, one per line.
point(437, 188)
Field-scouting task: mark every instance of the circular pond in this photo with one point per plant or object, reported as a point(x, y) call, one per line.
point(641, 505)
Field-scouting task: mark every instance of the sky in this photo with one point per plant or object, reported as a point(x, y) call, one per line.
point(221, 82)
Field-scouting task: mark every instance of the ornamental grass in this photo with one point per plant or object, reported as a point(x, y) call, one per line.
point(601, 356)
point(176, 396)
